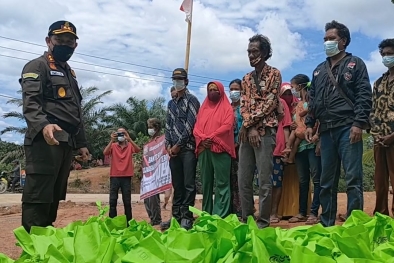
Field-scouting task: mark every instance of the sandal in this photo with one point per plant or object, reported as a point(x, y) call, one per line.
point(298, 219)
point(312, 220)
point(341, 218)
point(274, 220)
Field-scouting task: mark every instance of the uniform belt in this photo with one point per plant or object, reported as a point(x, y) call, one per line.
point(70, 129)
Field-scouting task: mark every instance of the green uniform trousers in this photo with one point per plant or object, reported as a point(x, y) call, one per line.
point(215, 167)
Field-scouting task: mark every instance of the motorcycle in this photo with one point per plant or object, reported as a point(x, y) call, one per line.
point(6, 180)
point(3, 182)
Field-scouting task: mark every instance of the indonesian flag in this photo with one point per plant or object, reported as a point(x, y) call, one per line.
point(187, 6)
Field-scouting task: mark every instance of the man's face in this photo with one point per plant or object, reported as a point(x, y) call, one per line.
point(254, 54)
point(67, 39)
point(387, 51)
point(332, 35)
point(179, 83)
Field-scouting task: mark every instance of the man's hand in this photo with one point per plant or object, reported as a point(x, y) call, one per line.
point(84, 152)
point(254, 137)
point(48, 132)
point(207, 143)
point(309, 135)
point(387, 140)
point(169, 151)
point(175, 149)
point(355, 134)
point(243, 134)
point(114, 137)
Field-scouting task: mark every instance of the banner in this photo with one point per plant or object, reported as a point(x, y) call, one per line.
point(156, 174)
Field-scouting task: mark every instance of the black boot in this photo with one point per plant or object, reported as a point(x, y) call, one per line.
point(187, 218)
point(176, 213)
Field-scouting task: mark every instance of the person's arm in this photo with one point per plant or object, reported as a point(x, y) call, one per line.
point(362, 95)
point(272, 93)
point(108, 148)
point(80, 138)
point(286, 131)
point(310, 119)
point(136, 148)
point(303, 113)
point(33, 82)
point(169, 126)
point(193, 108)
point(244, 107)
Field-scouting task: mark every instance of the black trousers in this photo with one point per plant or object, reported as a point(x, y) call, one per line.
point(47, 172)
point(152, 206)
point(124, 184)
point(183, 173)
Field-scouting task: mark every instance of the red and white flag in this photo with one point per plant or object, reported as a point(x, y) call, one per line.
point(187, 7)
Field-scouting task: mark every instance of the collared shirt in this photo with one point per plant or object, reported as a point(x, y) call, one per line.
point(259, 109)
point(181, 118)
point(122, 164)
point(382, 114)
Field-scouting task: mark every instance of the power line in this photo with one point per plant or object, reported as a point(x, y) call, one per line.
point(106, 73)
point(91, 64)
point(8, 97)
point(112, 60)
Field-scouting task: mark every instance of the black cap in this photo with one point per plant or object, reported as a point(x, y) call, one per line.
point(61, 27)
point(179, 73)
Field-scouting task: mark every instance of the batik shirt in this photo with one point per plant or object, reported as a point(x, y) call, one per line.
point(382, 114)
point(259, 109)
point(181, 118)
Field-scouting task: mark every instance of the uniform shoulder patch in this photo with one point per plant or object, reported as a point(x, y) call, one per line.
point(73, 73)
point(30, 75)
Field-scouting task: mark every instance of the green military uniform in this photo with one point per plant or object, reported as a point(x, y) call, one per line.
point(50, 96)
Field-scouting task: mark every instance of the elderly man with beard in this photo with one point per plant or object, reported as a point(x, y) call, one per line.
point(259, 110)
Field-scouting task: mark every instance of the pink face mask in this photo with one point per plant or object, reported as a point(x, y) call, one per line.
point(288, 99)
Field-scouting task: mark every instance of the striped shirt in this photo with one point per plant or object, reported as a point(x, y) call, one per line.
point(181, 118)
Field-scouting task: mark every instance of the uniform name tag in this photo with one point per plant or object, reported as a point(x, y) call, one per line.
point(56, 73)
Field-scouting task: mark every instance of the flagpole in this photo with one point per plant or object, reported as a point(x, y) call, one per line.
point(189, 34)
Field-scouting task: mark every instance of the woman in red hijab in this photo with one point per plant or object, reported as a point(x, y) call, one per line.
point(215, 147)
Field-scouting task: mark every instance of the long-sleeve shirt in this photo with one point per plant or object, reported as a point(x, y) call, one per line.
point(259, 109)
point(181, 118)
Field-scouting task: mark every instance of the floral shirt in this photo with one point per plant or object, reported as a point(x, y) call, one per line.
point(259, 109)
point(382, 114)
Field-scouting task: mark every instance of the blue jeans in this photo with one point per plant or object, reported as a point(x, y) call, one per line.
point(336, 148)
point(308, 166)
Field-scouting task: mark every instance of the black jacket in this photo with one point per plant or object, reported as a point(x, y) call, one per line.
point(328, 106)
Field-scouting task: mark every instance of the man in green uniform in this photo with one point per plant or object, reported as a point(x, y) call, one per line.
point(52, 109)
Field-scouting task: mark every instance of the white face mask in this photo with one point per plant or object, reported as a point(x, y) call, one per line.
point(179, 84)
point(331, 48)
point(151, 132)
point(121, 138)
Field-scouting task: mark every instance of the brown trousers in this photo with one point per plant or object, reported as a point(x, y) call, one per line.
point(384, 170)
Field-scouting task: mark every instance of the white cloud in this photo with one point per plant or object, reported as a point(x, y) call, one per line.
point(374, 65)
point(153, 33)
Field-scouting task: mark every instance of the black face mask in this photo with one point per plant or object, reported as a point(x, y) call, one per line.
point(62, 53)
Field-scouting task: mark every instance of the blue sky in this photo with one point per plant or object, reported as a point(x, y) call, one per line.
point(150, 36)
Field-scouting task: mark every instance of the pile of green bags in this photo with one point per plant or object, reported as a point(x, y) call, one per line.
point(360, 239)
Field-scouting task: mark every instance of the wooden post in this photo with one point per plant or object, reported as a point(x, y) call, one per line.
point(189, 34)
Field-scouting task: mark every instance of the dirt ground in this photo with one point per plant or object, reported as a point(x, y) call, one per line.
point(95, 181)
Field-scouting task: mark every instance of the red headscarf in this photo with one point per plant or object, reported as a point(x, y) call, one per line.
point(215, 121)
point(291, 100)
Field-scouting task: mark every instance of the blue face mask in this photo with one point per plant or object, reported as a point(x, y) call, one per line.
point(388, 61)
point(235, 95)
point(331, 48)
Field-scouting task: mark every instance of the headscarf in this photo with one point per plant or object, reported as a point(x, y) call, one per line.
point(292, 100)
point(215, 121)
